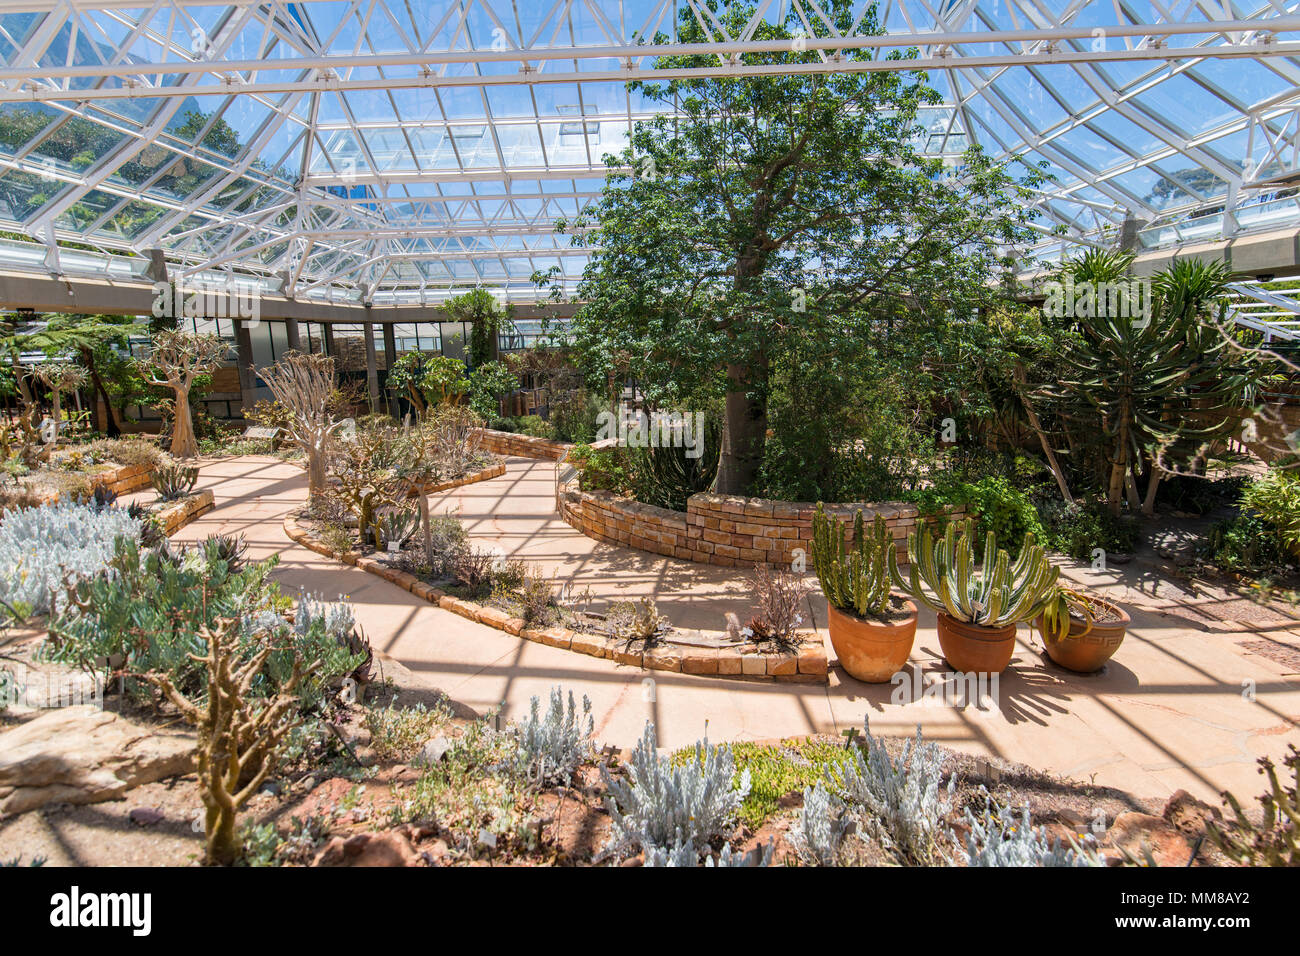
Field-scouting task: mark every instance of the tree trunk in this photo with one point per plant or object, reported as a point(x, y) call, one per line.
point(1149, 505)
point(56, 411)
point(1037, 426)
point(223, 845)
point(109, 426)
point(184, 444)
point(315, 471)
point(744, 431)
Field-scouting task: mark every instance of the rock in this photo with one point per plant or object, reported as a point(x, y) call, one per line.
point(432, 752)
point(1188, 815)
point(146, 816)
point(389, 848)
point(85, 755)
point(1131, 831)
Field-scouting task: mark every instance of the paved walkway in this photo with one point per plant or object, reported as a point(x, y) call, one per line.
point(1178, 707)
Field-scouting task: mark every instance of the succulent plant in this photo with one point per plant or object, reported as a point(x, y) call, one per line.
point(229, 548)
point(395, 525)
point(174, 481)
point(854, 577)
point(944, 578)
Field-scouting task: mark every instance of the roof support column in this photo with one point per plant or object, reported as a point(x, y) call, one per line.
point(390, 359)
point(244, 363)
point(292, 334)
point(372, 364)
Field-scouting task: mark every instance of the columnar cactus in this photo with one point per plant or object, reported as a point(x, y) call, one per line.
point(943, 577)
point(854, 577)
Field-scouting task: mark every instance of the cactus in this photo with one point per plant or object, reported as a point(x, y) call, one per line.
point(854, 577)
point(943, 577)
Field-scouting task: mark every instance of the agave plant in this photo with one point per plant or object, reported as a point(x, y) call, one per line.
point(944, 578)
point(854, 577)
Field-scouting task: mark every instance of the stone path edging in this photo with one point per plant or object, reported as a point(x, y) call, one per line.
point(805, 664)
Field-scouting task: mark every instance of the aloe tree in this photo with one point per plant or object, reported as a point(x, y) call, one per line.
point(1133, 378)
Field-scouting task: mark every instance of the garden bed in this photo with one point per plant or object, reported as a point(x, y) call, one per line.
point(723, 530)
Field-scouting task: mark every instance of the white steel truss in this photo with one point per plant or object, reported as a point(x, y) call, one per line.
point(400, 149)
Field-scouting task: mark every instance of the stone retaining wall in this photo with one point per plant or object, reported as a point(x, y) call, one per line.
point(725, 530)
point(521, 446)
point(178, 514)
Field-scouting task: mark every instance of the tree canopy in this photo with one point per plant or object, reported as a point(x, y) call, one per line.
point(775, 214)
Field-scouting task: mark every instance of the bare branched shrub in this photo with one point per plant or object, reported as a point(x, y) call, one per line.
point(304, 386)
point(779, 597)
point(450, 434)
point(639, 621)
point(240, 737)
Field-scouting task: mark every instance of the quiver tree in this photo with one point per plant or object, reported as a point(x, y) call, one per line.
point(304, 385)
point(174, 361)
point(240, 737)
point(1155, 386)
point(59, 377)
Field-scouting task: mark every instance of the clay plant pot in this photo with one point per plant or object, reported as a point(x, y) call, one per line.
point(1086, 653)
point(869, 650)
point(973, 649)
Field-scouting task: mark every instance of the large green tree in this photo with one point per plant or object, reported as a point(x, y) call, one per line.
point(772, 209)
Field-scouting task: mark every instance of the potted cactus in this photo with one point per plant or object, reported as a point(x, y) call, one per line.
point(978, 609)
point(1081, 631)
point(871, 629)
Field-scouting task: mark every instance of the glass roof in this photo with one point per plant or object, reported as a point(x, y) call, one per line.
point(396, 150)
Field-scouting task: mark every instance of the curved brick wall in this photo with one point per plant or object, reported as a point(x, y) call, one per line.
point(521, 446)
point(725, 530)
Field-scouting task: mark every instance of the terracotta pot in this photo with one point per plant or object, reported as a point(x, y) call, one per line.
point(870, 650)
point(973, 649)
point(1086, 653)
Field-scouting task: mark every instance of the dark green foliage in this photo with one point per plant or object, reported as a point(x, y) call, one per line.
point(605, 470)
point(147, 615)
point(1079, 529)
point(782, 213)
point(488, 384)
point(666, 477)
point(994, 502)
point(1247, 543)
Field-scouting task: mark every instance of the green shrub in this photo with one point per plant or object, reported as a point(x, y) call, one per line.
point(605, 470)
point(535, 426)
point(1276, 499)
point(573, 413)
point(1079, 529)
point(667, 476)
point(147, 614)
point(1246, 543)
point(488, 384)
point(995, 503)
